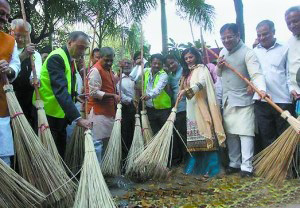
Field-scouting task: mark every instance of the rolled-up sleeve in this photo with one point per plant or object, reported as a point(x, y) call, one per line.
point(95, 84)
point(162, 82)
point(15, 63)
point(255, 71)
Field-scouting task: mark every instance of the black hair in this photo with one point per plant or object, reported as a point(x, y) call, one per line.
point(95, 50)
point(157, 56)
point(269, 23)
point(46, 49)
point(73, 36)
point(170, 56)
point(292, 9)
point(184, 65)
point(136, 55)
point(230, 26)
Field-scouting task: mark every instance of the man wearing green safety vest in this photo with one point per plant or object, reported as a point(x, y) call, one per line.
point(57, 89)
point(158, 101)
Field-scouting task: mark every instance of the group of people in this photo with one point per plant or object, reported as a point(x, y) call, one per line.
point(216, 108)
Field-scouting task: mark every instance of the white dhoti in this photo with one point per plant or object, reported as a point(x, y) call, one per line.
point(239, 123)
point(102, 128)
point(6, 140)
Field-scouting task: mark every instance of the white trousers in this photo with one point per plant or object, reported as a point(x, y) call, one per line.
point(240, 150)
point(6, 138)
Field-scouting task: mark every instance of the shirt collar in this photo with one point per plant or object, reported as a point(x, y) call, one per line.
point(237, 47)
point(276, 43)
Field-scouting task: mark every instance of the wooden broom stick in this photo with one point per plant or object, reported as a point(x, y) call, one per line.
point(35, 84)
point(274, 105)
point(142, 66)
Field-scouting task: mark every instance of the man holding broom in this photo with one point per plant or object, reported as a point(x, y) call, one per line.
point(157, 100)
point(102, 99)
point(58, 91)
point(23, 83)
point(237, 99)
point(9, 67)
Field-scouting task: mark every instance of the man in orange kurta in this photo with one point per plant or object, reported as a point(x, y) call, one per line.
point(9, 68)
point(102, 99)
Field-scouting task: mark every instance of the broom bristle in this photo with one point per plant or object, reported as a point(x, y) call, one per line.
point(75, 150)
point(274, 161)
point(137, 146)
point(292, 121)
point(35, 163)
point(15, 191)
point(153, 162)
point(111, 164)
point(92, 191)
point(147, 131)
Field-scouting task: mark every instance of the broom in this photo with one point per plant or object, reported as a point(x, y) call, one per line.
point(36, 164)
point(92, 191)
point(75, 148)
point(44, 132)
point(147, 131)
point(284, 114)
point(17, 192)
point(137, 146)
point(153, 161)
point(273, 162)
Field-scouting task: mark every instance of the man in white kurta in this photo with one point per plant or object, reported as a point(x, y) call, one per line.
point(292, 18)
point(237, 99)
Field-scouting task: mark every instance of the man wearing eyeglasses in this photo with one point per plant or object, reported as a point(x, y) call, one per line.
point(237, 100)
point(9, 67)
point(272, 56)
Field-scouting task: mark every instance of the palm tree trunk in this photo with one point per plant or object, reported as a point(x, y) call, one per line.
point(164, 30)
point(238, 5)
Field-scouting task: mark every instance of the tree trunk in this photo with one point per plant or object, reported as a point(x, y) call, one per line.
point(238, 5)
point(164, 30)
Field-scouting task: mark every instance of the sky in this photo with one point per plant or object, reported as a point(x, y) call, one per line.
point(254, 12)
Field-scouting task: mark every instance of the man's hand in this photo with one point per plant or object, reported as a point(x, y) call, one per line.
point(4, 67)
point(145, 97)
point(295, 95)
point(38, 83)
point(250, 90)
point(221, 62)
point(181, 94)
point(263, 95)
point(84, 123)
point(117, 98)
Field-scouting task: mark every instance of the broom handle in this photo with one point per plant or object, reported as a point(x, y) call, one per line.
point(89, 66)
point(177, 100)
point(142, 66)
point(274, 105)
point(38, 97)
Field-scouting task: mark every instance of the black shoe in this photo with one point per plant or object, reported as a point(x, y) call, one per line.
point(231, 170)
point(246, 174)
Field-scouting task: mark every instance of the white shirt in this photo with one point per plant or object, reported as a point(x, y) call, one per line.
point(127, 89)
point(294, 62)
point(37, 62)
point(274, 68)
point(15, 63)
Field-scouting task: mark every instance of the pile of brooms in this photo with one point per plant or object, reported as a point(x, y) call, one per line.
point(273, 163)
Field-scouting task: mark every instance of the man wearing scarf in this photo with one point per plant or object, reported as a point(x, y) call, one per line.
point(9, 67)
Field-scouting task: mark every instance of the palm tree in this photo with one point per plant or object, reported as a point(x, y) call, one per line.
point(238, 5)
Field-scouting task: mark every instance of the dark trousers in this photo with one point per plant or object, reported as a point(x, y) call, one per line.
point(58, 130)
point(179, 150)
point(269, 122)
point(25, 101)
point(127, 127)
point(157, 118)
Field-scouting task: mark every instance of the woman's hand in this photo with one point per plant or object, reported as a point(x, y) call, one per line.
point(181, 94)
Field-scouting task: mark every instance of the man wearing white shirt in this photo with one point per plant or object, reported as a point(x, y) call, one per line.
point(23, 83)
point(272, 56)
point(9, 67)
point(127, 93)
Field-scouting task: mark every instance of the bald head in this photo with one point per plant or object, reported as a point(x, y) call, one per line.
point(4, 13)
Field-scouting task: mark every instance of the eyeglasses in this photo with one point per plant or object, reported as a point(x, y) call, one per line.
point(231, 37)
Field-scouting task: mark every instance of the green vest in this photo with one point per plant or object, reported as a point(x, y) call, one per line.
point(51, 105)
point(163, 100)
